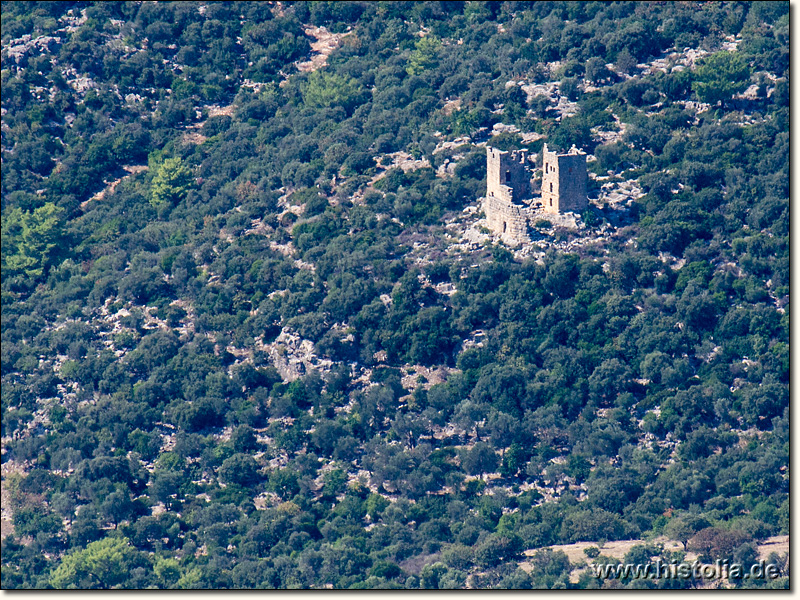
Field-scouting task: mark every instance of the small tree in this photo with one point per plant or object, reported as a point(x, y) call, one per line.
point(596, 70)
point(29, 238)
point(592, 551)
point(239, 468)
point(480, 459)
point(324, 90)
point(170, 183)
point(375, 505)
point(244, 439)
point(682, 527)
point(720, 76)
point(679, 530)
point(424, 56)
point(102, 564)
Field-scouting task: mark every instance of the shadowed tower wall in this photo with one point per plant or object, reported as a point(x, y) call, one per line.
point(564, 181)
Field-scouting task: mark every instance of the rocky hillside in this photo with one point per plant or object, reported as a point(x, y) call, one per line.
point(256, 333)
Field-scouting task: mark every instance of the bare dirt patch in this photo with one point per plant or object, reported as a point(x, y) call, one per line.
point(451, 105)
point(192, 137)
point(326, 42)
point(111, 186)
point(777, 543)
point(575, 552)
point(220, 111)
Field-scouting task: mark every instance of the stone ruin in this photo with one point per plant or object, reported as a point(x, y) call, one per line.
point(507, 182)
point(564, 181)
point(508, 204)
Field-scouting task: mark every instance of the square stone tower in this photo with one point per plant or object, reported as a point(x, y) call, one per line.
point(507, 175)
point(508, 181)
point(564, 181)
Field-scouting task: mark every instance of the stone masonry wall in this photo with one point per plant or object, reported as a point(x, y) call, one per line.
point(508, 220)
point(507, 183)
point(507, 176)
point(564, 181)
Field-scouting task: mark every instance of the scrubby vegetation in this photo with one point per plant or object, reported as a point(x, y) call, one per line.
point(237, 353)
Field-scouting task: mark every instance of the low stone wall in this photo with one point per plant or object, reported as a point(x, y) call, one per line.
point(507, 220)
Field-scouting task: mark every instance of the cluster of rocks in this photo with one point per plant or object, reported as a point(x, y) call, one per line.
point(26, 44)
point(324, 43)
point(618, 194)
point(292, 356)
point(551, 90)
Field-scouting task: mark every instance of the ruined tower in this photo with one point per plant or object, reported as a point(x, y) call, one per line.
point(507, 183)
point(564, 181)
point(507, 174)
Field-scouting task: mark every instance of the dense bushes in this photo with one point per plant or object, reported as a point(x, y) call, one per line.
point(643, 383)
